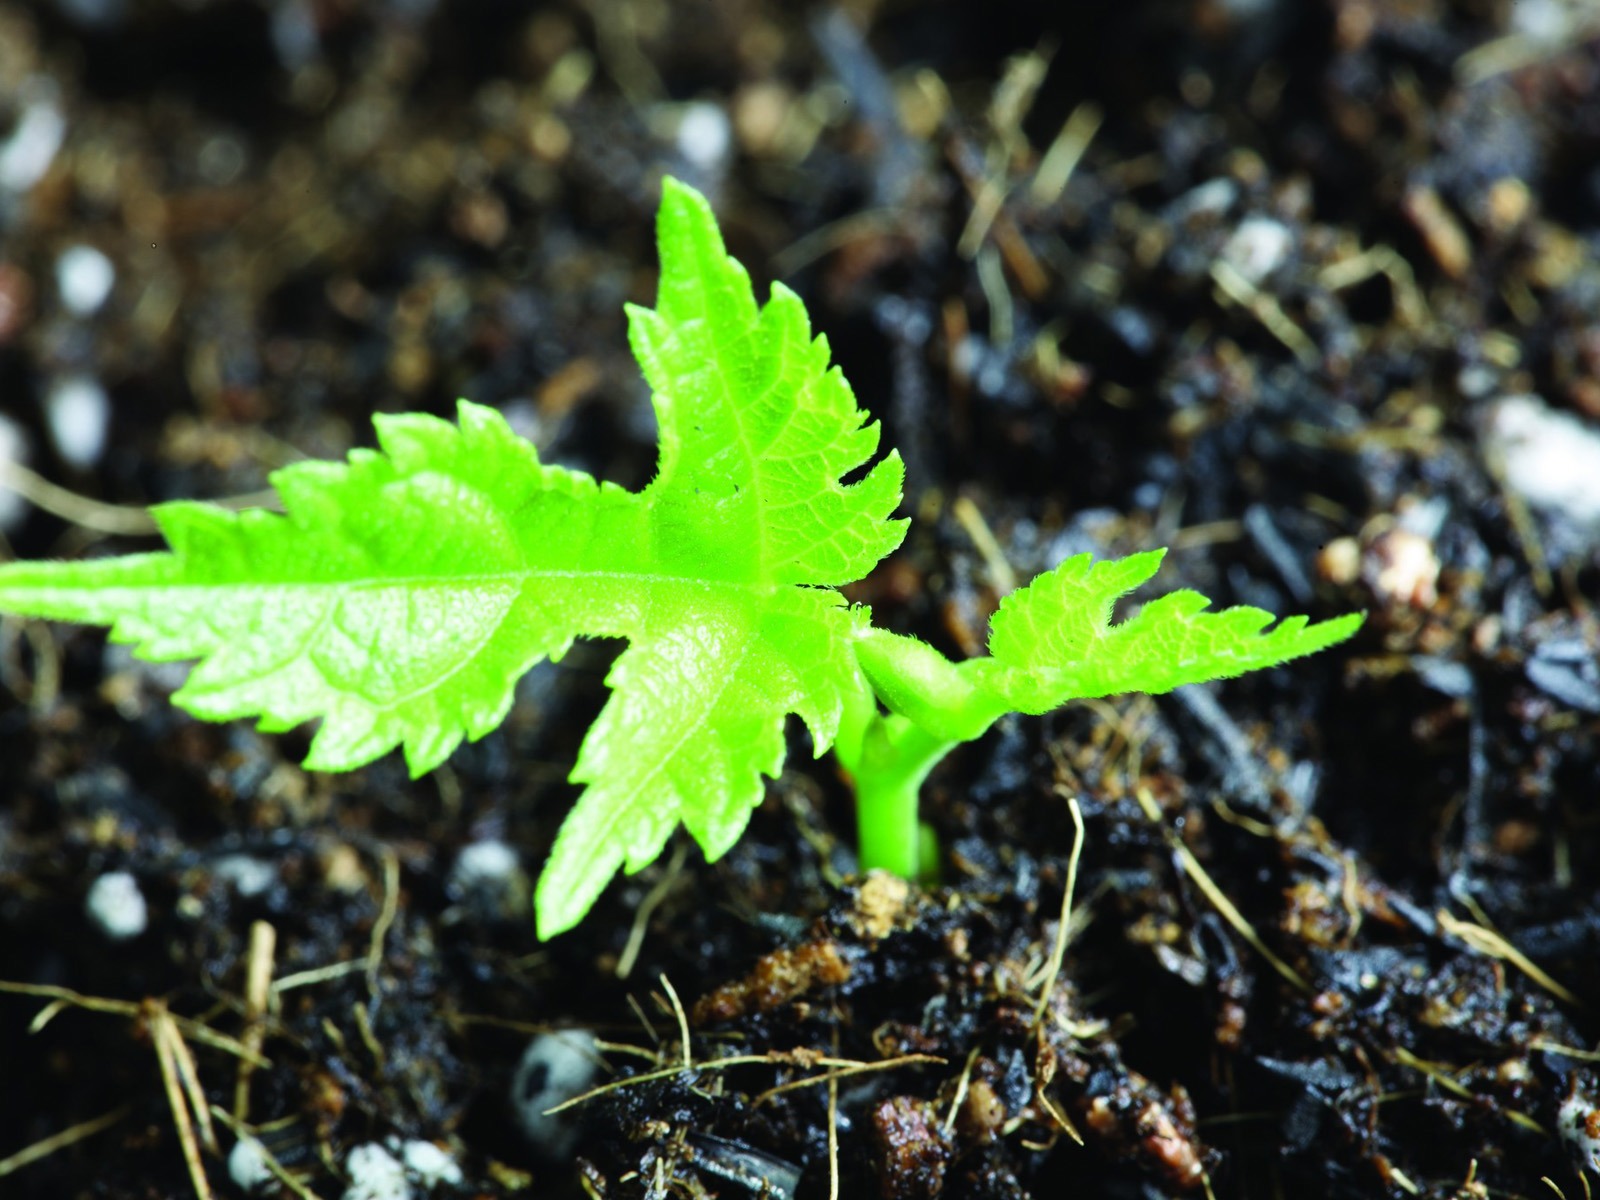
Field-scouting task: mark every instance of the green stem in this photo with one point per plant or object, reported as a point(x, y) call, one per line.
point(895, 758)
point(933, 706)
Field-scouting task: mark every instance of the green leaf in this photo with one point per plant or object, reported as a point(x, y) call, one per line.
point(695, 719)
point(747, 509)
point(400, 595)
point(756, 428)
point(1053, 641)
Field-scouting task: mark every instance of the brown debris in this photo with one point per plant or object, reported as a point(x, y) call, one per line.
point(1401, 567)
point(914, 1151)
point(776, 979)
point(883, 902)
point(1443, 235)
point(1137, 1122)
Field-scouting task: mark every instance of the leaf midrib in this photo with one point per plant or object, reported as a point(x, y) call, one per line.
point(373, 582)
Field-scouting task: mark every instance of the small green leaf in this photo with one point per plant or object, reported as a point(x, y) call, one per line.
point(1053, 641)
point(747, 515)
point(695, 720)
point(398, 597)
point(756, 428)
point(922, 685)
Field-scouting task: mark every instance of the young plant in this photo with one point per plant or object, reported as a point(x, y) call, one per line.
point(400, 595)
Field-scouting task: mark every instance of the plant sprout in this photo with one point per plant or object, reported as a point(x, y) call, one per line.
point(401, 594)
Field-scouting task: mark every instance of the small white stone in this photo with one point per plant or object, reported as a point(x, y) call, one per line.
point(554, 1068)
point(36, 137)
point(1425, 518)
point(487, 862)
point(1548, 22)
point(78, 412)
point(1551, 459)
point(428, 1164)
point(1209, 199)
point(375, 1174)
point(1258, 247)
point(247, 1164)
point(117, 906)
point(1475, 381)
point(294, 35)
point(84, 278)
point(220, 161)
point(246, 874)
point(704, 135)
point(1579, 1123)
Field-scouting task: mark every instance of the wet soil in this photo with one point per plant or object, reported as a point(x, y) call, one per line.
point(1306, 292)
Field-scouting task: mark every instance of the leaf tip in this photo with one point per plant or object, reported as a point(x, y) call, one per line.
point(1145, 563)
point(556, 909)
point(1340, 628)
point(676, 192)
point(684, 207)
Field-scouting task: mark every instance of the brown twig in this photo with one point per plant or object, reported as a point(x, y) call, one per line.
point(173, 1081)
point(47, 1146)
point(257, 998)
point(386, 915)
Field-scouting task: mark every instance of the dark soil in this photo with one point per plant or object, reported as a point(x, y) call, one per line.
point(1336, 930)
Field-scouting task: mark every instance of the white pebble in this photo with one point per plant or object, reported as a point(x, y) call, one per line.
point(704, 135)
point(221, 160)
point(117, 906)
point(246, 874)
point(1258, 247)
point(1209, 199)
point(1475, 381)
point(489, 861)
point(247, 1164)
point(294, 35)
point(1579, 1123)
point(84, 278)
point(1548, 22)
point(375, 1174)
point(38, 133)
point(427, 1164)
point(554, 1068)
point(78, 411)
point(1551, 459)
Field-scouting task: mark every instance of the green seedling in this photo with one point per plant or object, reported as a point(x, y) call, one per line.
point(399, 596)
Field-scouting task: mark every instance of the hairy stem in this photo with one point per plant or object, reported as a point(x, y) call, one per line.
point(895, 758)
